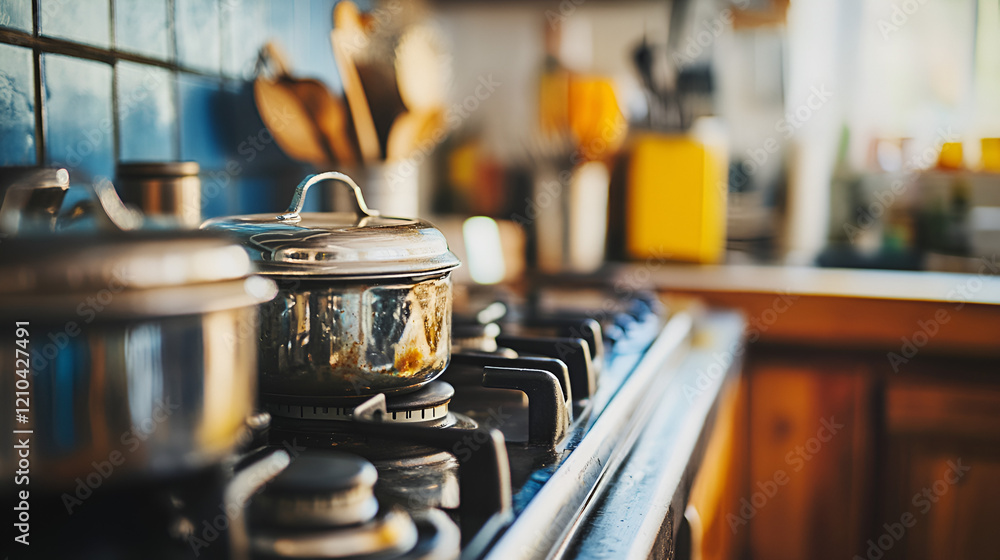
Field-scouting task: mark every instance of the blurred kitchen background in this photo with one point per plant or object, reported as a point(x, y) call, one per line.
point(860, 133)
point(552, 141)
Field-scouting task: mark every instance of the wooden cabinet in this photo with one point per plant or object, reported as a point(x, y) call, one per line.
point(810, 414)
point(720, 480)
point(942, 468)
point(913, 470)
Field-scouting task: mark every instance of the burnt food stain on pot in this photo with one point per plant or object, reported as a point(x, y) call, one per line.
point(432, 297)
point(408, 361)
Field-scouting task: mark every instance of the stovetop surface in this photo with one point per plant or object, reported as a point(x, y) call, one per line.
point(525, 389)
point(511, 453)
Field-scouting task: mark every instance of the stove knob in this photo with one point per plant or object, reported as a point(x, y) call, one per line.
point(318, 489)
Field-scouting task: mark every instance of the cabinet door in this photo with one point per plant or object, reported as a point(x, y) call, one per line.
point(810, 455)
point(942, 475)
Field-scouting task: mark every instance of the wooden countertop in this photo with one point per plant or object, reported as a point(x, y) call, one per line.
point(871, 284)
point(885, 311)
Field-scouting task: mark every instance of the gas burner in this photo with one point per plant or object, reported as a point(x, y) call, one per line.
point(629, 322)
point(316, 490)
point(576, 339)
point(419, 482)
point(413, 475)
point(428, 405)
point(323, 506)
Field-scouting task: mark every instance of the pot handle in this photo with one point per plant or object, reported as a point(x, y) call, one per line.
point(299, 198)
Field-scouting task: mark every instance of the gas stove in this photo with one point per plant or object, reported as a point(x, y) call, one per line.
point(507, 451)
point(511, 453)
point(522, 390)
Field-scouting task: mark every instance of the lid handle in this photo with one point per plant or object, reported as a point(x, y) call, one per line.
point(299, 198)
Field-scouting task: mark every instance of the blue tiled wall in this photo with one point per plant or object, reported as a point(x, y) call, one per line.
point(81, 21)
point(147, 115)
point(185, 92)
point(16, 14)
point(17, 106)
point(143, 27)
point(79, 126)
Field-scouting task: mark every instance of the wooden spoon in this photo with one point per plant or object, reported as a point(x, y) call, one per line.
point(348, 24)
point(421, 66)
point(284, 112)
point(413, 131)
point(289, 122)
point(330, 116)
point(379, 83)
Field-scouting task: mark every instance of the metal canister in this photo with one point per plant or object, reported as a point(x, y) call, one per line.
point(166, 190)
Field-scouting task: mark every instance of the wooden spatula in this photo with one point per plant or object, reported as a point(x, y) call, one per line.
point(348, 24)
point(288, 120)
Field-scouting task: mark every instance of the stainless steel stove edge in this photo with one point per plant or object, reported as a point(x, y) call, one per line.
point(654, 484)
point(553, 516)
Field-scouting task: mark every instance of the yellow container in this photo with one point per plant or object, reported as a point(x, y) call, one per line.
point(676, 200)
point(991, 154)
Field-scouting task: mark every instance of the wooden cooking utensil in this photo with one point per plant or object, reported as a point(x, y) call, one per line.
point(413, 131)
point(402, 136)
point(346, 35)
point(330, 116)
point(289, 121)
point(379, 83)
point(421, 65)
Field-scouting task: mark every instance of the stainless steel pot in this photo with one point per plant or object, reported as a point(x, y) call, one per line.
point(364, 301)
point(141, 353)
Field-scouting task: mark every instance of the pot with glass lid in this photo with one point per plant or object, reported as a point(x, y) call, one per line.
point(363, 305)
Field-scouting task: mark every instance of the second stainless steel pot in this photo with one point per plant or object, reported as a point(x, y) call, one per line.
point(364, 302)
point(130, 353)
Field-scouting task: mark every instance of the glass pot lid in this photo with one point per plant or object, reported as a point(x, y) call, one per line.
point(343, 245)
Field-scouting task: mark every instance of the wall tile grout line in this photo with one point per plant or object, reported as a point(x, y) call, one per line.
point(222, 42)
point(119, 74)
point(116, 154)
point(50, 45)
point(36, 61)
point(41, 45)
point(175, 91)
point(224, 39)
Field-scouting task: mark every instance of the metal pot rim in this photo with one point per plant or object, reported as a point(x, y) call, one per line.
point(142, 304)
point(134, 275)
point(312, 276)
